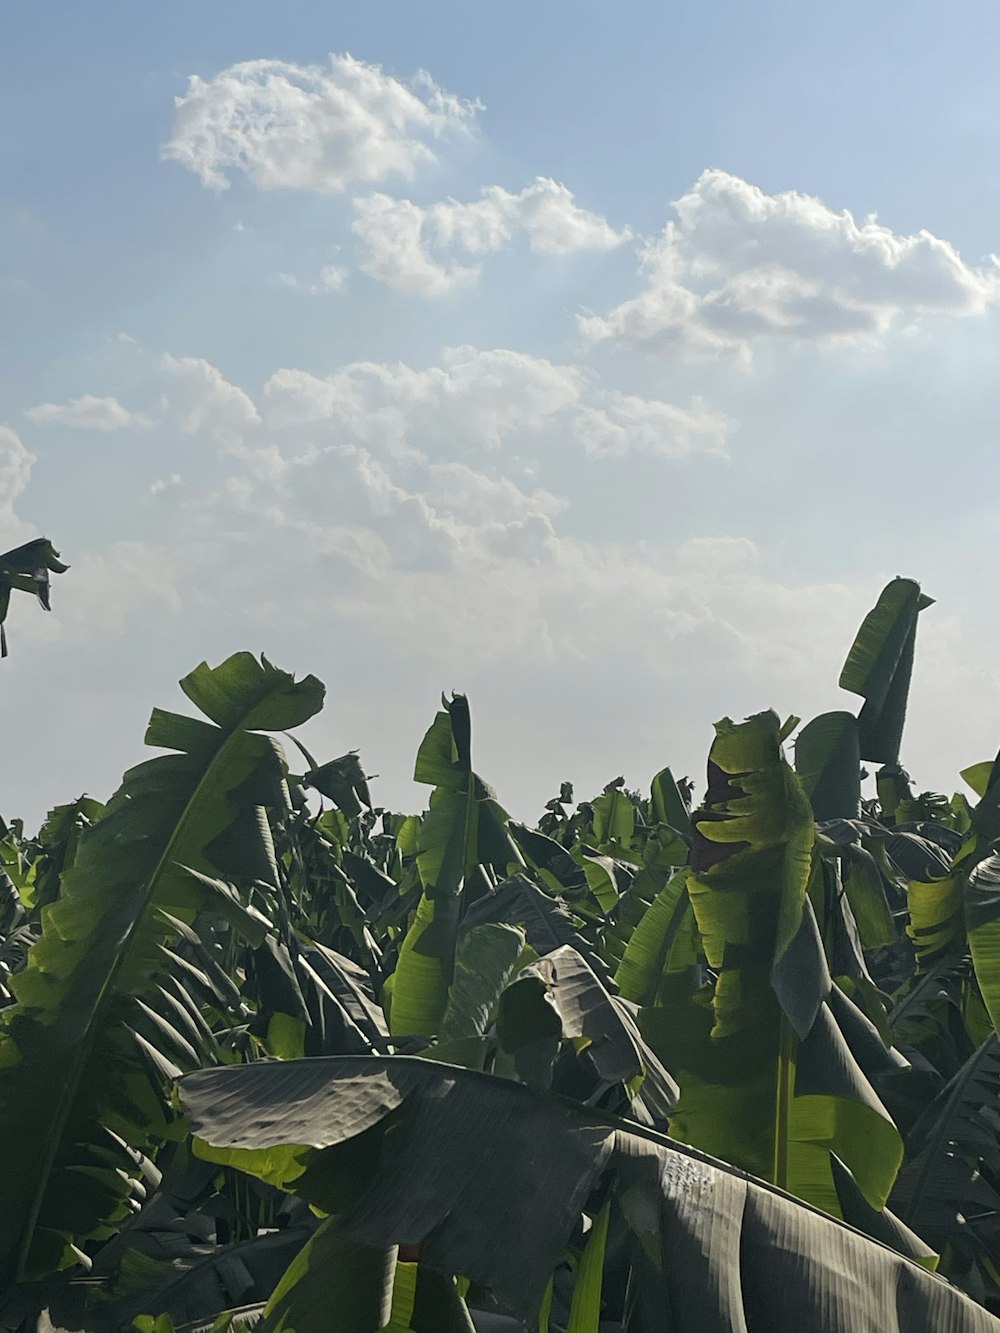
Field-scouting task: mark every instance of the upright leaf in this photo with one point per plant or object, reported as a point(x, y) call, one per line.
point(464, 829)
point(879, 666)
point(828, 763)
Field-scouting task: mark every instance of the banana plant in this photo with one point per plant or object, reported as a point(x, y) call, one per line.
point(775, 1063)
point(461, 843)
point(95, 1030)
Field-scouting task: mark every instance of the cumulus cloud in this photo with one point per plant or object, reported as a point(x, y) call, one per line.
point(388, 468)
point(739, 264)
point(425, 250)
point(205, 402)
point(310, 127)
point(86, 413)
point(484, 400)
point(617, 424)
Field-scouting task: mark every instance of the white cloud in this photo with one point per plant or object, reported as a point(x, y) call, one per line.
point(15, 472)
point(618, 424)
point(389, 468)
point(332, 278)
point(162, 484)
point(413, 248)
point(86, 413)
point(204, 401)
point(488, 400)
point(308, 127)
point(461, 491)
point(391, 232)
point(407, 494)
point(739, 264)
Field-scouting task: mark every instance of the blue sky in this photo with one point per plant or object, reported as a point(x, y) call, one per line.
point(605, 369)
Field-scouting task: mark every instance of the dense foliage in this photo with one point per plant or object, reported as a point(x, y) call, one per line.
point(273, 1057)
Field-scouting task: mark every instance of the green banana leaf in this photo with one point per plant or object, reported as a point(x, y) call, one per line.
point(485, 960)
point(982, 920)
point(715, 1248)
point(331, 1260)
point(463, 829)
point(828, 764)
point(545, 919)
point(879, 665)
point(948, 1188)
point(343, 780)
point(585, 1307)
point(561, 998)
point(668, 805)
point(26, 568)
point(661, 942)
point(79, 1066)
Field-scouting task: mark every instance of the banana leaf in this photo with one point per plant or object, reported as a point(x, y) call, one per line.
point(463, 829)
point(79, 1083)
point(828, 763)
point(949, 1188)
point(708, 1247)
point(27, 568)
point(879, 665)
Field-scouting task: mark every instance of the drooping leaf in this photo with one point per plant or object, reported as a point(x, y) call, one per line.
point(865, 890)
point(561, 998)
point(343, 780)
point(26, 568)
point(717, 1249)
point(947, 1189)
point(546, 920)
point(484, 963)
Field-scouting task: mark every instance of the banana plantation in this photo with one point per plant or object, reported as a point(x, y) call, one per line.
point(273, 1057)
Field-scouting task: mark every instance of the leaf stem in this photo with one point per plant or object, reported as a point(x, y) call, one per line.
point(785, 1091)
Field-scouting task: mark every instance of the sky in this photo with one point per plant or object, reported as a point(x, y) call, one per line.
point(600, 362)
